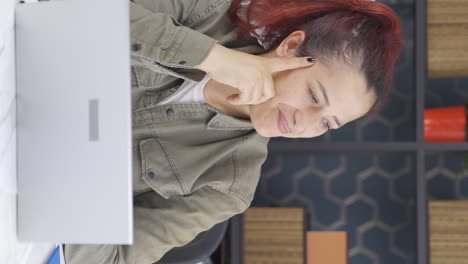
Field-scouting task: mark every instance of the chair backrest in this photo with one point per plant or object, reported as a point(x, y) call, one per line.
point(199, 249)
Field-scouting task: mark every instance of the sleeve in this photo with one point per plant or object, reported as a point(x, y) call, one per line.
point(160, 225)
point(161, 37)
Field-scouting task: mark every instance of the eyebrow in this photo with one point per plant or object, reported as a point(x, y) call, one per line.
point(325, 95)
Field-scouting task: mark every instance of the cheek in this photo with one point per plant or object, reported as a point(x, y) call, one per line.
point(263, 117)
point(293, 92)
point(295, 97)
point(259, 114)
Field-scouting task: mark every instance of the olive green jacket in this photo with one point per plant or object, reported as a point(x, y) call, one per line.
point(193, 165)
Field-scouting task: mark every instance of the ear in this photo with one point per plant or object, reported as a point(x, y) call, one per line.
point(290, 44)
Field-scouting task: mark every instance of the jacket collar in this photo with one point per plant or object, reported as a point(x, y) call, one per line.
point(221, 121)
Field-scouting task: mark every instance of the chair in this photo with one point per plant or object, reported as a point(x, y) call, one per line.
point(199, 249)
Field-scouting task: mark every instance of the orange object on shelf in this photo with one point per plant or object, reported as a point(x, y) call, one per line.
point(446, 124)
point(327, 247)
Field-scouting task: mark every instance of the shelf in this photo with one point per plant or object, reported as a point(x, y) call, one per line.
point(420, 51)
point(446, 146)
point(323, 147)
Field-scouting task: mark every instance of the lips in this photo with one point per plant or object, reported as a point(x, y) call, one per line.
point(283, 123)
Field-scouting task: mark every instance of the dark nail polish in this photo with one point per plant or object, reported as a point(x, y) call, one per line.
point(311, 59)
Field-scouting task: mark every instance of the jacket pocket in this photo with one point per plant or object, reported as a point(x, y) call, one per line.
point(146, 78)
point(158, 169)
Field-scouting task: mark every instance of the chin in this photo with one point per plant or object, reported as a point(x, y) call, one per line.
point(266, 133)
point(262, 134)
point(263, 126)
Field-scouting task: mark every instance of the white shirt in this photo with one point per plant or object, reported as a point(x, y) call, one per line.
point(188, 92)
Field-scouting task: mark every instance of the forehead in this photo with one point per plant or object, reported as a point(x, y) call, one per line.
point(346, 89)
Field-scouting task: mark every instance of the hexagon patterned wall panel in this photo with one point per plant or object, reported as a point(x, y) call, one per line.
point(372, 197)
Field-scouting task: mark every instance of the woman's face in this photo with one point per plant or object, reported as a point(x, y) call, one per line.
point(300, 98)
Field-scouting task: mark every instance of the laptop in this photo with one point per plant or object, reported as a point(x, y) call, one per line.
point(74, 142)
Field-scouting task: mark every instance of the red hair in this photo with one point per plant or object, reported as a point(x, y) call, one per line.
point(363, 33)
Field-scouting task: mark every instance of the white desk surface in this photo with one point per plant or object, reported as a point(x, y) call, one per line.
point(11, 251)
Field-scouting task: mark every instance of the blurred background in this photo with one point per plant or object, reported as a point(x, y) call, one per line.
point(372, 196)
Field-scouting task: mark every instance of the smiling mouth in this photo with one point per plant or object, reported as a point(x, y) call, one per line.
point(283, 123)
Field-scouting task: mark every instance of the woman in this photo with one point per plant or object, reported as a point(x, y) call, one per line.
point(213, 80)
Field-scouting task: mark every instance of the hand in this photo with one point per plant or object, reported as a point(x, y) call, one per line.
point(250, 74)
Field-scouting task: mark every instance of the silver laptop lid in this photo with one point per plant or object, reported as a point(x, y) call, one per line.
point(74, 122)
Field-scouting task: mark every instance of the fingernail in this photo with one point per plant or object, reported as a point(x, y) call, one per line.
point(311, 59)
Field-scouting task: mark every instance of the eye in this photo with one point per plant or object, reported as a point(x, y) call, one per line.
point(313, 97)
point(327, 125)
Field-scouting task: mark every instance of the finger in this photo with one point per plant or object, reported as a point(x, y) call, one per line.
point(268, 87)
point(282, 64)
point(234, 99)
point(257, 93)
point(263, 99)
point(248, 95)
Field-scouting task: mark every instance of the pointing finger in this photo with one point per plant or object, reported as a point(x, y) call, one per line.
point(234, 99)
point(268, 87)
point(282, 64)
